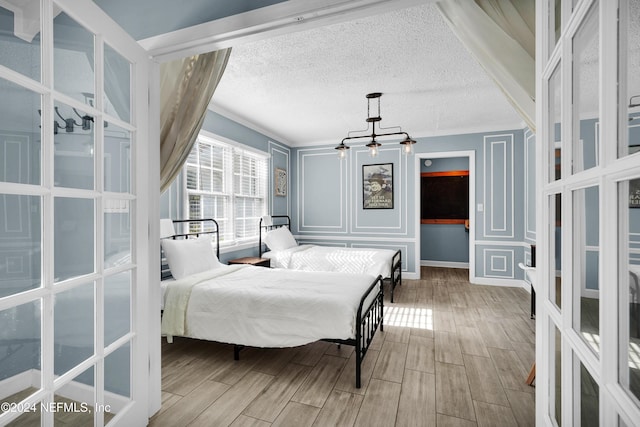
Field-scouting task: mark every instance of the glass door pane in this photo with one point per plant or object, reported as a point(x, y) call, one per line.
point(586, 101)
point(586, 254)
point(20, 42)
point(629, 77)
point(555, 126)
point(74, 237)
point(20, 135)
point(555, 383)
point(117, 159)
point(117, 85)
point(117, 378)
point(20, 243)
point(588, 394)
point(73, 66)
point(555, 288)
point(20, 351)
point(629, 279)
point(73, 131)
point(74, 315)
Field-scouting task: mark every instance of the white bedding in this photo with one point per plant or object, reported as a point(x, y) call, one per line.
point(326, 258)
point(262, 307)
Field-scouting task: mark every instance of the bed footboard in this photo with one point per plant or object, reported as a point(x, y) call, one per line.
point(396, 271)
point(368, 319)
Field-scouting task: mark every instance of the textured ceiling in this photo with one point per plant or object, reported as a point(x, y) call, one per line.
point(309, 87)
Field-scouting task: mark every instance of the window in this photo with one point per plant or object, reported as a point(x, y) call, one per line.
point(227, 183)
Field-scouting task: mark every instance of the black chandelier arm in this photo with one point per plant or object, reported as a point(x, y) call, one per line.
point(375, 135)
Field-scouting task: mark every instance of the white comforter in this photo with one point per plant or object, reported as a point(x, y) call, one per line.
point(262, 307)
point(326, 258)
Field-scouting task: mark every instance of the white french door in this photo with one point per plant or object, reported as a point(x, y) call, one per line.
point(73, 217)
point(588, 181)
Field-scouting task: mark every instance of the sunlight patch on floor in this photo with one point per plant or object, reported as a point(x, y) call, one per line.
point(593, 340)
point(634, 355)
point(408, 317)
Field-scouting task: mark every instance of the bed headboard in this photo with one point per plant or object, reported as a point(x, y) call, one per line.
point(276, 221)
point(190, 228)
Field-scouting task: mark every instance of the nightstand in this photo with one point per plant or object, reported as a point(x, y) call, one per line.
point(252, 260)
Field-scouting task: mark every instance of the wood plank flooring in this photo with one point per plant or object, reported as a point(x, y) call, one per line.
point(451, 354)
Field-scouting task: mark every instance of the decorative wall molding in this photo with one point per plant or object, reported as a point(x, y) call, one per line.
point(501, 243)
point(322, 242)
point(340, 224)
point(356, 238)
point(529, 186)
point(496, 257)
point(17, 142)
point(498, 196)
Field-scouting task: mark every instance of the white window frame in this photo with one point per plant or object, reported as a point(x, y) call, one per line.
point(232, 243)
point(610, 176)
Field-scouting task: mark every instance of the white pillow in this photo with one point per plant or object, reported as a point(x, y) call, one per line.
point(280, 239)
point(189, 256)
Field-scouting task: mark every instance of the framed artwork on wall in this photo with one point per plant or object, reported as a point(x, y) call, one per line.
point(280, 182)
point(377, 186)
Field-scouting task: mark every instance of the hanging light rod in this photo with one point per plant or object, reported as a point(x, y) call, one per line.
point(374, 145)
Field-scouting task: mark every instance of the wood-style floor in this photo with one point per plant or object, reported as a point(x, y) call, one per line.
point(451, 354)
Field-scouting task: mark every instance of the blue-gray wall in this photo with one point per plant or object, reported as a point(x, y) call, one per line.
point(329, 209)
point(326, 207)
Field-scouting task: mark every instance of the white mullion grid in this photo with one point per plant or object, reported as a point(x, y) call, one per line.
point(609, 233)
point(543, 321)
point(622, 20)
point(98, 372)
point(618, 399)
point(141, 351)
point(23, 189)
point(22, 80)
point(47, 209)
point(569, 127)
point(548, 174)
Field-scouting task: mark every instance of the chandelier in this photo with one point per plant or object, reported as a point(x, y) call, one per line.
point(374, 145)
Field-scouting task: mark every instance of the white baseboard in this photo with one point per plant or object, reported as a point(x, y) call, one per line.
point(410, 275)
point(491, 281)
point(591, 293)
point(446, 264)
point(19, 382)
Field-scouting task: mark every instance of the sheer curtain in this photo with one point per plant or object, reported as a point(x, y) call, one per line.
point(186, 88)
point(501, 36)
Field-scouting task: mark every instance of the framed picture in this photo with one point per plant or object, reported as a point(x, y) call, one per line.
point(377, 186)
point(634, 193)
point(280, 181)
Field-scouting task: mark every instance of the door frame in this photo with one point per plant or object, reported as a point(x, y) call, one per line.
point(471, 157)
